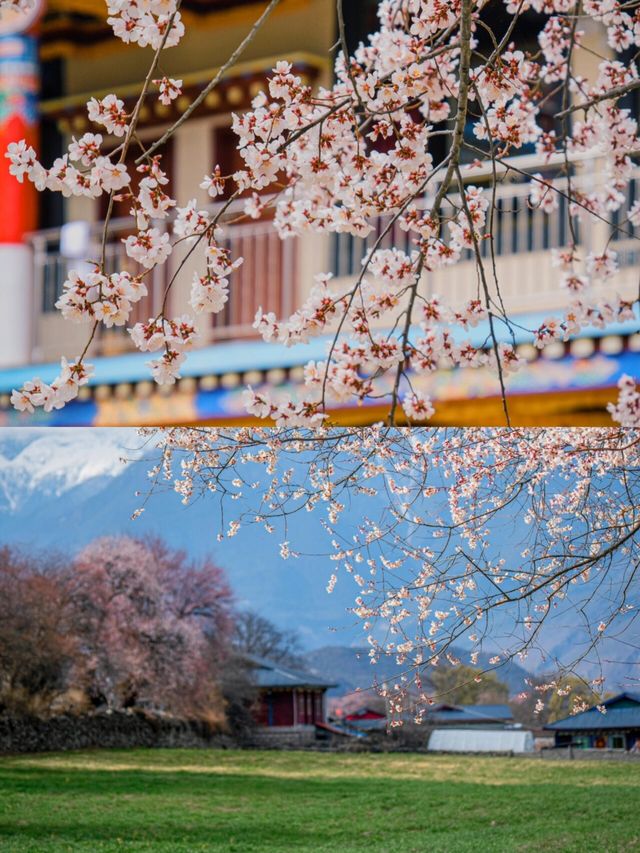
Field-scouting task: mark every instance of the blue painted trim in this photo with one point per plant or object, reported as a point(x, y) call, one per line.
point(240, 357)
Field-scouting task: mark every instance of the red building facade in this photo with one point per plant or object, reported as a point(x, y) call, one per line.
point(287, 698)
point(295, 707)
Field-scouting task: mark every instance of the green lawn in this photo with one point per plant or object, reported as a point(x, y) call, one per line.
point(186, 800)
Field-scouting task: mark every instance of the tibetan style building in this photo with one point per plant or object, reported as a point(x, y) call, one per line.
point(289, 700)
point(51, 63)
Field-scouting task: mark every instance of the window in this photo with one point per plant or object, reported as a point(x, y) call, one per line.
point(360, 20)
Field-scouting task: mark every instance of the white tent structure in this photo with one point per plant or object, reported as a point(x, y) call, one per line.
point(481, 740)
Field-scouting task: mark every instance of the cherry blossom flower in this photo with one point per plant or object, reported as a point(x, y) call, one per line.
point(542, 195)
point(86, 150)
point(602, 266)
point(109, 112)
point(176, 335)
point(148, 248)
point(165, 370)
point(627, 410)
point(214, 184)
point(23, 159)
point(417, 407)
point(147, 24)
point(17, 5)
point(170, 89)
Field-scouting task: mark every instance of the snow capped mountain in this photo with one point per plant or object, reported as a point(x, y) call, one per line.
point(56, 461)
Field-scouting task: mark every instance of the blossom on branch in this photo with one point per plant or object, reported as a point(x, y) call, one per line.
point(408, 151)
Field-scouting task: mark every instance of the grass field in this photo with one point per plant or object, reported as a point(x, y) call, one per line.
point(184, 800)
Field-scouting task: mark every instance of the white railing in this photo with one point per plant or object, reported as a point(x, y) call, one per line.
point(53, 264)
point(267, 278)
point(272, 267)
point(517, 227)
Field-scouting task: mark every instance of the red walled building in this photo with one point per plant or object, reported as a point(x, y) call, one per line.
point(365, 720)
point(287, 698)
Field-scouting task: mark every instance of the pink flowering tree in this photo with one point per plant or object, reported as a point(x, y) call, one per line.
point(435, 77)
point(150, 626)
point(456, 543)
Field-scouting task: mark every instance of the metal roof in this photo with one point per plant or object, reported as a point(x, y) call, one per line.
point(470, 713)
point(268, 673)
point(615, 717)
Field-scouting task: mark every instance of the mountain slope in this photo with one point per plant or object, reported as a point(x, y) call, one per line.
point(50, 464)
point(61, 489)
point(350, 669)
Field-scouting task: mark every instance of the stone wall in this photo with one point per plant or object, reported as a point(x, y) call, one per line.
point(565, 753)
point(118, 730)
point(283, 737)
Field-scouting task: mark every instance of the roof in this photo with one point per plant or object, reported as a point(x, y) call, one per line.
point(470, 713)
point(242, 356)
point(268, 673)
point(365, 714)
point(622, 712)
point(337, 729)
point(366, 725)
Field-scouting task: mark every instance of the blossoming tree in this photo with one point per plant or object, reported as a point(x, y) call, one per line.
point(436, 96)
point(148, 624)
point(457, 543)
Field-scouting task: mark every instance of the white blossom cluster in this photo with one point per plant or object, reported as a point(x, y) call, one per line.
point(152, 23)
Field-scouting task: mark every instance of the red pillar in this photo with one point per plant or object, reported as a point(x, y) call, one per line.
point(19, 85)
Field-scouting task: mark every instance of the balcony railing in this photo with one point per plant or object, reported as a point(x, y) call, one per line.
point(517, 226)
point(271, 269)
point(267, 277)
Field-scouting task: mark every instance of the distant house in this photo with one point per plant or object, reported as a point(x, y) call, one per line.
point(287, 698)
point(464, 716)
point(476, 728)
point(617, 728)
point(365, 720)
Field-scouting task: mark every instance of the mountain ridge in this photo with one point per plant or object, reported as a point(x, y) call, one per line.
point(350, 669)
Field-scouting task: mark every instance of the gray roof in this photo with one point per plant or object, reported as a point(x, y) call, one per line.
point(268, 673)
point(469, 713)
point(622, 712)
point(367, 725)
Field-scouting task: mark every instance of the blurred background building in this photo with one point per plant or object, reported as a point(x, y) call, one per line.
point(68, 53)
